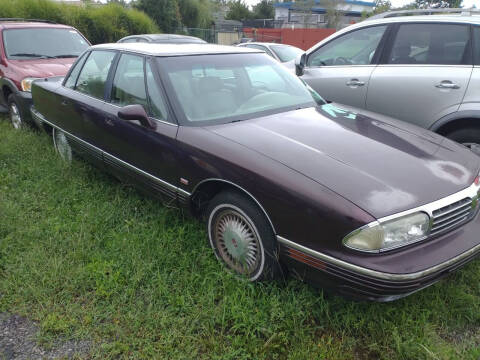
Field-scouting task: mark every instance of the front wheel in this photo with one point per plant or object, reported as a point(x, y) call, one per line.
point(14, 113)
point(470, 137)
point(61, 144)
point(242, 238)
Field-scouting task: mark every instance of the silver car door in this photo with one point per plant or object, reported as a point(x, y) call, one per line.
point(424, 74)
point(340, 69)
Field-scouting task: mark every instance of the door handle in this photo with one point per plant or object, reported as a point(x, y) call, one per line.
point(447, 84)
point(355, 82)
point(64, 102)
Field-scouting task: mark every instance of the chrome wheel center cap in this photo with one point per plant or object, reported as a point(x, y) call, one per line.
point(235, 241)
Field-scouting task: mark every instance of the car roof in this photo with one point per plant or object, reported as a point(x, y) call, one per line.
point(176, 49)
point(464, 19)
point(165, 37)
point(9, 24)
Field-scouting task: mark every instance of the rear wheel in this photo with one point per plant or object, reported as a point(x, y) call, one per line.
point(14, 113)
point(242, 238)
point(470, 137)
point(61, 144)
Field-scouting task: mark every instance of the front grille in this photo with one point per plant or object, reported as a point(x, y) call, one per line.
point(452, 215)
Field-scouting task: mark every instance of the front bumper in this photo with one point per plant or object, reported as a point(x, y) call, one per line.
point(381, 283)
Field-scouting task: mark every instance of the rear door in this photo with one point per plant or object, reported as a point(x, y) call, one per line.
point(83, 103)
point(143, 155)
point(340, 69)
point(424, 72)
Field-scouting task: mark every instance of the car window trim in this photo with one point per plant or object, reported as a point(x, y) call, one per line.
point(342, 35)
point(476, 59)
point(161, 88)
point(388, 50)
point(82, 57)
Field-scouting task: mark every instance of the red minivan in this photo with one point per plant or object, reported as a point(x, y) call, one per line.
point(29, 50)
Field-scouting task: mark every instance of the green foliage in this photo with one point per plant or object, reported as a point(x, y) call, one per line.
point(90, 258)
point(100, 24)
point(264, 10)
point(166, 13)
point(238, 10)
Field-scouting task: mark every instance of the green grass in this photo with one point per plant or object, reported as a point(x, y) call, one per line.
point(90, 258)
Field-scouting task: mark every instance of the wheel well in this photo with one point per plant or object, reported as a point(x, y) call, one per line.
point(6, 91)
point(207, 190)
point(458, 124)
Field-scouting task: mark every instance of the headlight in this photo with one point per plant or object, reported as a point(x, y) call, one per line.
point(390, 234)
point(27, 84)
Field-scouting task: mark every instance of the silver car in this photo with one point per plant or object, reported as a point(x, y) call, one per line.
point(283, 53)
point(423, 69)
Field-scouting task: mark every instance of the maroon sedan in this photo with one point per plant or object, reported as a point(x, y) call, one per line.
point(369, 207)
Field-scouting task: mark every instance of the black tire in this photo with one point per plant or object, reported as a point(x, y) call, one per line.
point(14, 113)
point(247, 245)
point(470, 137)
point(62, 146)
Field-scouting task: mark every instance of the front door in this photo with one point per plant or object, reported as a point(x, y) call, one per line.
point(144, 155)
point(340, 70)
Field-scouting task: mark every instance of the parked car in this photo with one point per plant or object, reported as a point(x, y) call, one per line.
point(283, 53)
point(420, 69)
point(162, 39)
point(372, 208)
point(30, 50)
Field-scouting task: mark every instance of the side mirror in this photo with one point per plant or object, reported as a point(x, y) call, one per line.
point(136, 112)
point(300, 62)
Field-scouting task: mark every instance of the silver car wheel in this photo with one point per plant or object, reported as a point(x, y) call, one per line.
point(62, 146)
point(15, 116)
point(236, 240)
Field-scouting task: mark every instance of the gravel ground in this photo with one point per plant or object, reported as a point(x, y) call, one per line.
point(17, 341)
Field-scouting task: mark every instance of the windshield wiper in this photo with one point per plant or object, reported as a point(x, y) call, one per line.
point(65, 56)
point(33, 55)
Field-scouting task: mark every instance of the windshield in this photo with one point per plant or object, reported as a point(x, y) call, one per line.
point(286, 53)
point(34, 43)
point(232, 87)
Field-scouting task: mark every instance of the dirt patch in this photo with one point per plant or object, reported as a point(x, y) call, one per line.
point(17, 341)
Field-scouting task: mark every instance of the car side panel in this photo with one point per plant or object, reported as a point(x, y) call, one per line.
point(342, 84)
point(411, 93)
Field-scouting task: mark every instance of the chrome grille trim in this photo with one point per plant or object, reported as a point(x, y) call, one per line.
point(451, 215)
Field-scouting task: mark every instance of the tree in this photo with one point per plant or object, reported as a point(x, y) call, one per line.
point(264, 10)
point(435, 4)
point(238, 10)
point(166, 13)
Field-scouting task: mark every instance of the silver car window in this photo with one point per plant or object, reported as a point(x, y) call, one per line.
point(443, 44)
point(354, 48)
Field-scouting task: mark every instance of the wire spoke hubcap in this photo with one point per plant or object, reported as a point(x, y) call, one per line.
point(237, 242)
point(15, 117)
point(62, 146)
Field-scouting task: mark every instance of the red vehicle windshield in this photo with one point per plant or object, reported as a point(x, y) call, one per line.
point(31, 43)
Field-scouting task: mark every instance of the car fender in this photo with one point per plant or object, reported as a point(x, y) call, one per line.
point(468, 115)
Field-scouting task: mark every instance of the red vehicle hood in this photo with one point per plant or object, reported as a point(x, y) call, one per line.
point(42, 67)
point(383, 166)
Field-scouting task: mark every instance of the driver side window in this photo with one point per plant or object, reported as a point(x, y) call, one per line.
point(355, 48)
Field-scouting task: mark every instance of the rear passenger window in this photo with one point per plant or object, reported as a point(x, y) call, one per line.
point(72, 77)
point(129, 82)
point(476, 46)
point(442, 44)
point(94, 74)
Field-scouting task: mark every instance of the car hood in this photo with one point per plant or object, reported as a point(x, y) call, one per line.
point(44, 67)
point(382, 166)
